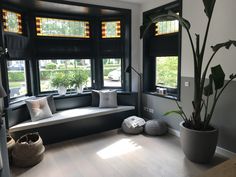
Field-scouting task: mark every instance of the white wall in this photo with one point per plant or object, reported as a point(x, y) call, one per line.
point(136, 13)
point(222, 29)
point(154, 4)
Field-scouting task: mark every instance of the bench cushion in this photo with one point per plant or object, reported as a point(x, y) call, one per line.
point(70, 115)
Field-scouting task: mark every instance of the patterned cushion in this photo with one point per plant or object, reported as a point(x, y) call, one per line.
point(129, 129)
point(38, 109)
point(108, 99)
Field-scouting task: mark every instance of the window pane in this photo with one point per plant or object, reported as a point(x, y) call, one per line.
point(167, 71)
point(12, 21)
point(111, 29)
point(167, 27)
point(112, 72)
point(50, 69)
point(17, 78)
point(62, 28)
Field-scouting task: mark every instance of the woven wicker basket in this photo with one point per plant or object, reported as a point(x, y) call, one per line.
point(28, 150)
point(10, 145)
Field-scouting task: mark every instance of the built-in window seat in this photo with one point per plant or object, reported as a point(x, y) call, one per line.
point(70, 115)
point(74, 118)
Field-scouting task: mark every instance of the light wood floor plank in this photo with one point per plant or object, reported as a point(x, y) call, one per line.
point(152, 157)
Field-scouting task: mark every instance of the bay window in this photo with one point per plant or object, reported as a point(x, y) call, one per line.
point(17, 78)
point(49, 69)
point(112, 74)
point(162, 53)
point(51, 44)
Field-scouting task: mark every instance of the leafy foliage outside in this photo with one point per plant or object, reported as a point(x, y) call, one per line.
point(167, 71)
point(60, 79)
point(78, 78)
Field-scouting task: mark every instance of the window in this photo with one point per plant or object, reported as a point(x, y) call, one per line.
point(112, 72)
point(50, 69)
point(111, 29)
point(12, 21)
point(167, 72)
point(17, 78)
point(167, 27)
point(62, 28)
point(162, 53)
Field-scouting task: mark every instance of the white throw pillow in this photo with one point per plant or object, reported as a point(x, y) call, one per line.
point(108, 99)
point(39, 109)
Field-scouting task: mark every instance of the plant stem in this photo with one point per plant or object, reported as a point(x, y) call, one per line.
point(181, 109)
point(206, 109)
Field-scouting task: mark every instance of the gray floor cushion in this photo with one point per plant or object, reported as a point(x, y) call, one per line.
point(155, 127)
point(133, 125)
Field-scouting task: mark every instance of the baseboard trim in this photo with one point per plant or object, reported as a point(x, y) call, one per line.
point(219, 150)
point(174, 132)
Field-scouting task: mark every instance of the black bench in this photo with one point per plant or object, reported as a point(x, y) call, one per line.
point(75, 117)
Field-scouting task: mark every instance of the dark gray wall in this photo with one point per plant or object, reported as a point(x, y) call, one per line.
point(224, 117)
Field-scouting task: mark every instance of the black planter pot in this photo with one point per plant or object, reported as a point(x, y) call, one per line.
point(198, 146)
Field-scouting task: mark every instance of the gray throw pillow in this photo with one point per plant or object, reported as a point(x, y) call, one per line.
point(51, 104)
point(95, 98)
point(38, 109)
point(108, 99)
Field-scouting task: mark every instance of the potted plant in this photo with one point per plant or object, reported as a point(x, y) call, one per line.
point(78, 80)
point(198, 137)
point(61, 82)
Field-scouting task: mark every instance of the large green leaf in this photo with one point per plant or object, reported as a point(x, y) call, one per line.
point(227, 45)
point(179, 112)
point(183, 22)
point(208, 90)
point(157, 18)
point(209, 6)
point(218, 76)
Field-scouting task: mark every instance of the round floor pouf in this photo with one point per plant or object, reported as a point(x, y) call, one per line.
point(155, 127)
point(129, 128)
point(28, 150)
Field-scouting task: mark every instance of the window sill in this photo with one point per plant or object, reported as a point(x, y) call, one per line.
point(168, 96)
point(19, 99)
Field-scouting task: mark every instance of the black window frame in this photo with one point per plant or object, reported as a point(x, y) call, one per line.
point(149, 60)
point(122, 74)
point(27, 78)
point(171, 91)
point(29, 30)
point(68, 91)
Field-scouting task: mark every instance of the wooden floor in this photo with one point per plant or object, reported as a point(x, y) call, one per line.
point(114, 154)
